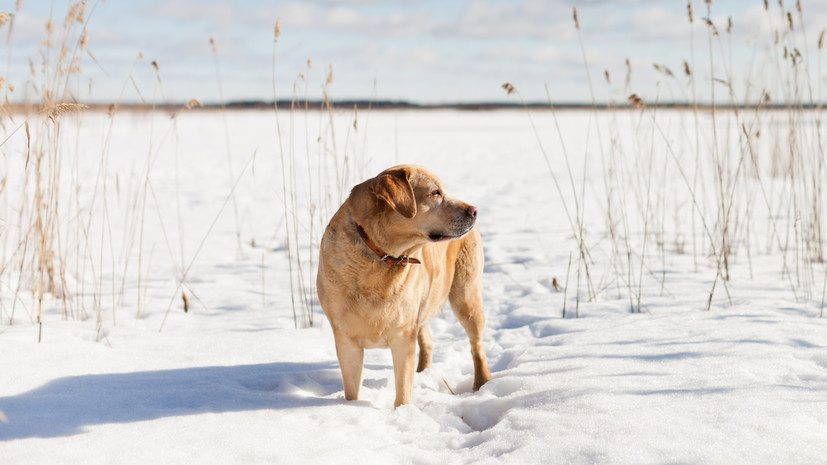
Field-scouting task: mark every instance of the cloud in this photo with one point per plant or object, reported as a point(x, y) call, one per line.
point(29, 29)
point(375, 55)
point(346, 19)
point(477, 19)
point(653, 23)
point(352, 17)
point(513, 53)
point(411, 42)
point(531, 18)
point(223, 14)
point(362, 2)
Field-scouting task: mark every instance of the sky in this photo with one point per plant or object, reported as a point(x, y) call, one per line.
point(422, 51)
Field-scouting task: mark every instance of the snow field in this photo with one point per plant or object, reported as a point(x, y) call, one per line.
point(232, 380)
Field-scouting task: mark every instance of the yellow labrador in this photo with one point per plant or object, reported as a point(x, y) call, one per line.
point(390, 257)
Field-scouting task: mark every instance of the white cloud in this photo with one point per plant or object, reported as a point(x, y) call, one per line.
point(376, 55)
point(408, 42)
point(28, 28)
point(478, 19)
point(531, 18)
point(513, 53)
point(347, 19)
point(654, 23)
point(224, 14)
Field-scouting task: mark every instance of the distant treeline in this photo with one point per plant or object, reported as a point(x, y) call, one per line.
point(361, 105)
point(402, 104)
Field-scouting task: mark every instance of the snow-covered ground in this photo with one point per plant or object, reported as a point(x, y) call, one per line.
point(233, 381)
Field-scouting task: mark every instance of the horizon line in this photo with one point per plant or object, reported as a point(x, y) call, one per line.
point(367, 104)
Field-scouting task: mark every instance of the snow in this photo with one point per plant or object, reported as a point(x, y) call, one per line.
point(233, 381)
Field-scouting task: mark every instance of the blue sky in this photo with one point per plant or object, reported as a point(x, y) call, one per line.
point(426, 51)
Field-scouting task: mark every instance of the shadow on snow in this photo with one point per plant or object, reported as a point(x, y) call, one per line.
point(63, 407)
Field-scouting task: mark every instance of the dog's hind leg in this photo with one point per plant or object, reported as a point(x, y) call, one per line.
point(426, 347)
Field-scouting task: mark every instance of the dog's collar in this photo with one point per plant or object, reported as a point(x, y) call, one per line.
point(401, 260)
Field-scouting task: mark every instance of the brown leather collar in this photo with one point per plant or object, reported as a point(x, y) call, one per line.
point(401, 261)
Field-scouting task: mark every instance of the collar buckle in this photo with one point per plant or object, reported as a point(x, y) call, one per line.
point(402, 261)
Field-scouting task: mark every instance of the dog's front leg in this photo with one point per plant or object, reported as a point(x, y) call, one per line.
point(351, 358)
point(403, 350)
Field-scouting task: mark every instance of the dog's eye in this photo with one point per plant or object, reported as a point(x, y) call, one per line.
point(436, 193)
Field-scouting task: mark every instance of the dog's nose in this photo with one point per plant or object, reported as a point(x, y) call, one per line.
point(472, 211)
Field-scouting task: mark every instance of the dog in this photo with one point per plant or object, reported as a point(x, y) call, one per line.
point(393, 253)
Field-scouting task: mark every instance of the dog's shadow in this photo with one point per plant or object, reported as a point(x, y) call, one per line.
point(63, 407)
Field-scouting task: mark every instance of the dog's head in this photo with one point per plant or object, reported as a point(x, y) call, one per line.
point(411, 204)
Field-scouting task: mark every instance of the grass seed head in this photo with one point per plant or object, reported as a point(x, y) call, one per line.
point(73, 13)
point(509, 89)
point(54, 111)
point(795, 56)
point(576, 19)
point(663, 70)
point(74, 68)
point(711, 26)
point(277, 31)
point(193, 103)
point(689, 10)
point(821, 39)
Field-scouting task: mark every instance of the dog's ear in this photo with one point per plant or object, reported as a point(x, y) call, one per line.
point(394, 187)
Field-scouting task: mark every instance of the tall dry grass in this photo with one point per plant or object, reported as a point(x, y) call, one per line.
point(59, 248)
point(750, 163)
point(315, 180)
point(80, 242)
point(35, 240)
